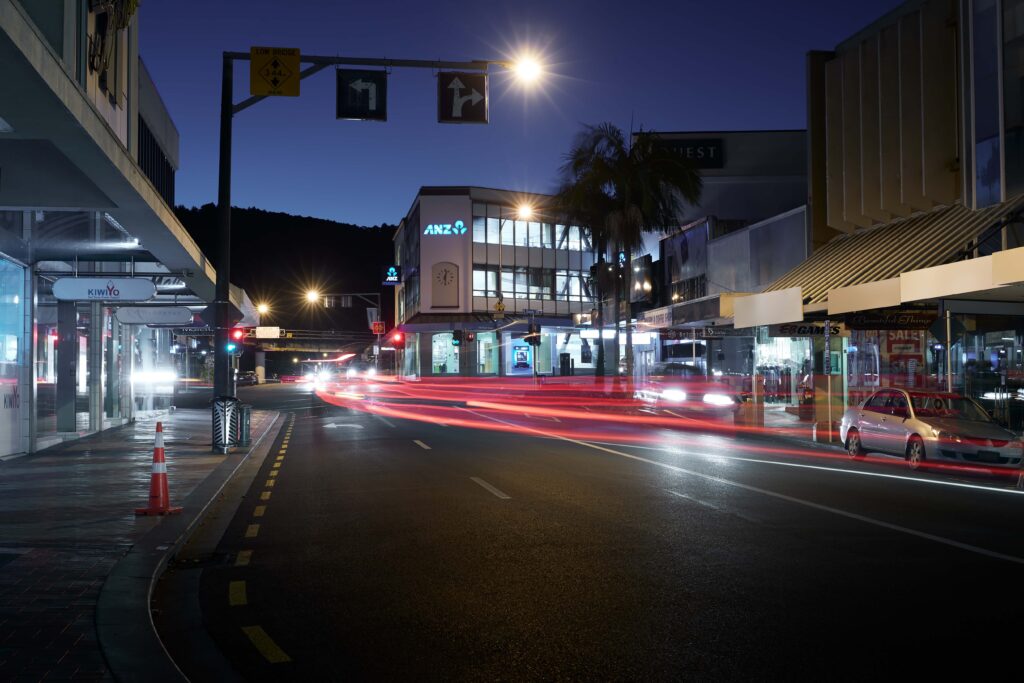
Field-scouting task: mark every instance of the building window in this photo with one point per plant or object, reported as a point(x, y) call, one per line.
point(985, 72)
point(485, 281)
point(479, 229)
point(1013, 94)
point(154, 163)
point(486, 353)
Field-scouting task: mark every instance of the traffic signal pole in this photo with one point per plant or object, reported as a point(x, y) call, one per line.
point(222, 375)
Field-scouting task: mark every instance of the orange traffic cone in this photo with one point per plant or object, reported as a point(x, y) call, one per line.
point(159, 495)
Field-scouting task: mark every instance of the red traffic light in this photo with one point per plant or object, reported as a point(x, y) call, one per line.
point(396, 337)
point(237, 334)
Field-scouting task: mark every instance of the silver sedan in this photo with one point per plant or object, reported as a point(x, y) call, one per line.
point(920, 426)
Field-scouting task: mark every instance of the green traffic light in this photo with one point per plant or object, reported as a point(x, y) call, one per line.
point(231, 347)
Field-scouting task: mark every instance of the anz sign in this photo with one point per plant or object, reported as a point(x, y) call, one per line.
point(456, 228)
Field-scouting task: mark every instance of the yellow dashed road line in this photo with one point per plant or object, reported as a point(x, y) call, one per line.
point(270, 483)
point(265, 495)
point(259, 511)
point(236, 594)
point(273, 473)
point(252, 530)
point(244, 558)
point(276, 465)
point(267, 647)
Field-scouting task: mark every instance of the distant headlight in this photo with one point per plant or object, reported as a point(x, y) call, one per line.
point(674, 395)
point(351, 372)
point(718, 399)
point(372, 372)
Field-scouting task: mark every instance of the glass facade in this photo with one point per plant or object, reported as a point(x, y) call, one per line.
point(493, 224)
point(12, 355)
point(487, 353)
point(985, 77)
point(444, 356)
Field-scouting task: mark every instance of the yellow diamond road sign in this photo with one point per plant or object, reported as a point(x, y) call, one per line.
point(274, 71)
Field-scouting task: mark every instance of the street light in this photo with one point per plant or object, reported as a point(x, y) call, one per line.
point(312, 296)
point(263, 309)
point(527, 69)
point(524, 212)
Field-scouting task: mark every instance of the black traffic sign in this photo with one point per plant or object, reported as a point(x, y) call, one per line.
point(461, 97)
point(362, 95)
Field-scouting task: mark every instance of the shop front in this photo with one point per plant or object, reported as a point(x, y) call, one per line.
point(12, 353)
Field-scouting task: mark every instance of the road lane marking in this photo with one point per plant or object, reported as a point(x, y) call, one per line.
point(421, 444)
point(244, 558)
point(386, 421)
point(822, 468)
point(265, 495)
point(236, 594)
point(781, 496)
point(276, 465)
point(282, 451)
point(259, 511)
point(270, 483)
point(279, 458)
point(273, 473)
point(265, 644)
point(704, 503)
point(252, 531)
point(490, 488)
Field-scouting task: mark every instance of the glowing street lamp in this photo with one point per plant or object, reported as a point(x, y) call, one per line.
point(527, 69)
point(524, 212)
point(263, 309)
point(312, 296)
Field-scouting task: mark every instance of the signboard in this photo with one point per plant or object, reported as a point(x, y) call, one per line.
point(378, 327)
point(909, 319)
point(362, 95)
point(392, 276)
point(456, 228)
point(268, 332)
point(718, 332)
point(828, 348)
point(807, 330)
point(499, 310)
point(274, 71)
point(657, 317)
point(103, 289)
point(461, 97)
point(702, 153)
point(153, 315)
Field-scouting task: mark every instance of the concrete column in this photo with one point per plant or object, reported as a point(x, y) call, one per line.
point(261, 366)
point(67, 365)
point(111, 402)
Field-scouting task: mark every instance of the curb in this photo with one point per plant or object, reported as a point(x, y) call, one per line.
point(127, 636)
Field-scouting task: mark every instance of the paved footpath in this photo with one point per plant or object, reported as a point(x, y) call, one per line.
point(66, 518)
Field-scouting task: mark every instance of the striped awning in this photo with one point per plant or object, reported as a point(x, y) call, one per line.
point(885, 251)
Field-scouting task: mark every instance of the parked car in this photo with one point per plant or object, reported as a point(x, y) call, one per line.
point(920, 426)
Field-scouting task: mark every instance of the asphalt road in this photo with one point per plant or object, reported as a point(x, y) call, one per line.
point(398, 549)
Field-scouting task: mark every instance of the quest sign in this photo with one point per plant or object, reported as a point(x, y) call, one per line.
point(702, 153)
point(103, 289)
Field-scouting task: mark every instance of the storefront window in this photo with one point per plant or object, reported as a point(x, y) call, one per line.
point(487, 353)
point(444, 357)
point(12, 311)
point(411, 355)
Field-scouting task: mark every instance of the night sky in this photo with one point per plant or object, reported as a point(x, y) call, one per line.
point(662, 65)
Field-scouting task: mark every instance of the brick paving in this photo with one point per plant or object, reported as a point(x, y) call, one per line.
point(66, 517)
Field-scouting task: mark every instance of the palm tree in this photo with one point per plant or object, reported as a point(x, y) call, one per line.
point(624, 189)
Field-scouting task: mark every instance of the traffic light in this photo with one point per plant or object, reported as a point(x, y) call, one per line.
point(470, 337)
point(456, 337)
point(231, 347)
point(238, 334)
point(533, 334)
point(397, 337)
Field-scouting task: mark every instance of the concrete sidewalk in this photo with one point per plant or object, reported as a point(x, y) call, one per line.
point(66, 518)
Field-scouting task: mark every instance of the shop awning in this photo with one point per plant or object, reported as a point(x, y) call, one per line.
point(866, 263)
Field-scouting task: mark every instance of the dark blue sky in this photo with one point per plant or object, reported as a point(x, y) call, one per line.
point(664, 64)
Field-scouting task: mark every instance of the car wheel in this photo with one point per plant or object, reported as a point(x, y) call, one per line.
point(915, 452)
point(853, 445)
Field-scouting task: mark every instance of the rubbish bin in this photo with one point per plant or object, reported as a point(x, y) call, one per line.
point(225, 423)
point(244, 422)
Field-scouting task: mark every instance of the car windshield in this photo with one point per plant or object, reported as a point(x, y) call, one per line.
point(956, 407)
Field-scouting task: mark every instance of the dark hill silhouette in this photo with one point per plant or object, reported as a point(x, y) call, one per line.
point(276, 257)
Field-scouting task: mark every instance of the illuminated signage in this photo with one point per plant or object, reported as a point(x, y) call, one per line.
point(456, 228)
point(392, 275)
point(103, 289)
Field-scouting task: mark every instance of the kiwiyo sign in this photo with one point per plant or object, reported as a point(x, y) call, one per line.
point(103, 289)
